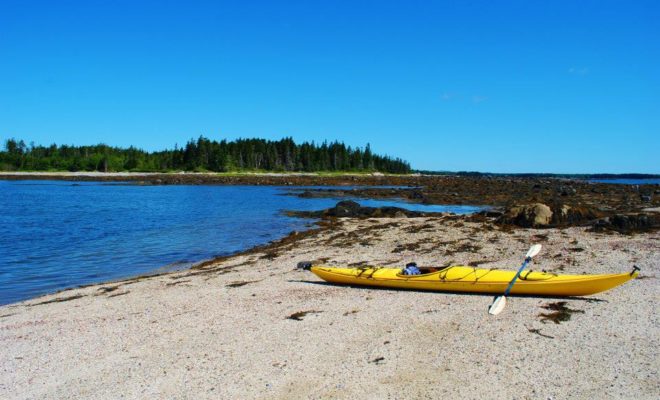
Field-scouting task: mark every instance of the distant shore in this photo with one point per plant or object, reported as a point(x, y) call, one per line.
point(482, 190)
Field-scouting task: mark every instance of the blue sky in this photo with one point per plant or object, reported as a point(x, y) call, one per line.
point(501, 86)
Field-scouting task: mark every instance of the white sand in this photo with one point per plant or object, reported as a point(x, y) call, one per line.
point(191, 336)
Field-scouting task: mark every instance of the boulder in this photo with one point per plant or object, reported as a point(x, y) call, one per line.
point(528, 215)
point(564, 215)
point(628, 223)
point(345, 208)
point(351, 209)
point(566, 190)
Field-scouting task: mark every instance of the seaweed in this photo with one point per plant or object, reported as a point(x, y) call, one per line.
point(239, 283)
point(58, 300)
point(177, 282)
point(420, 228)
point(298, 316)
point(560, 313)
point(540, 237)
point(479, 262)
point(108, 289)
point(119, 294)
point(403, 247)
point(270, 255)
point(359, 264)
point(463, 248)
point(538, 332)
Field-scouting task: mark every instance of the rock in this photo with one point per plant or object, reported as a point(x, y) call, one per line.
point(306, 194)
point(528, 215)
point(565, 215)
point(491, 213)
point(345, 208)
point(628, 223)
point(646, 199)
point(417, 195)
point(566, 190)
point(351, 209)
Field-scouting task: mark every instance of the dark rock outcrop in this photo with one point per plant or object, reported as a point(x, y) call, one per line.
point(565, 215)
point(539, 215)
point(351, 209)
point(628, 223)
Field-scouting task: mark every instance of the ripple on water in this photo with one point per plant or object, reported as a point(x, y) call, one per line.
point(54, 235)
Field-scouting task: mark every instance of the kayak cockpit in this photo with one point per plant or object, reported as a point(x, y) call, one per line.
point(420, 271)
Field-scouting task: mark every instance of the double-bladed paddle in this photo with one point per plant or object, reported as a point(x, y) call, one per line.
point(500, 301)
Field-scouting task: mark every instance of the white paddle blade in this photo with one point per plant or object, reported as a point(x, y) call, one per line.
point(497, 306)
point(534, 250)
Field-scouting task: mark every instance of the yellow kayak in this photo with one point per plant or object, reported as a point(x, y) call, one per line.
point(473, 280)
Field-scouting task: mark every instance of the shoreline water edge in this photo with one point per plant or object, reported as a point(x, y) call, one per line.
point(251, 325)
point(58, 234)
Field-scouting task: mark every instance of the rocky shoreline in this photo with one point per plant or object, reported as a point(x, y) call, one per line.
point(521, 201)
point(530, 202)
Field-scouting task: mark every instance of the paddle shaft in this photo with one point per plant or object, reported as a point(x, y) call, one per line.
point(508, 289)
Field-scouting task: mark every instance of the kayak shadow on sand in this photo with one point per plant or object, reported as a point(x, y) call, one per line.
point(578, 298)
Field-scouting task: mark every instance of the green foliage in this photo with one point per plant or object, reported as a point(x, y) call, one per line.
point(200, 155)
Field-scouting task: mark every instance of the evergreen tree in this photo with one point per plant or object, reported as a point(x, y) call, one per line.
point(201, 154)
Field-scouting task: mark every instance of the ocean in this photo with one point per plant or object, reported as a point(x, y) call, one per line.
point(56, 234)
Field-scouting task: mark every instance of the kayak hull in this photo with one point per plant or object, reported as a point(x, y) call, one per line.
point(475, 280)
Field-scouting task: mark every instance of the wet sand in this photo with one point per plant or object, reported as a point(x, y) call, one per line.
point(224, 329)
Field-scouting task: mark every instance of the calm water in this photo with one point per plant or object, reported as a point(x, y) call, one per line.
point(55, 235)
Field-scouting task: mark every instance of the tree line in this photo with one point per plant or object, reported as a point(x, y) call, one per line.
point(202, 154)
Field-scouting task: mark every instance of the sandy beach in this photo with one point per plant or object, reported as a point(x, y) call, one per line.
point(252, 326)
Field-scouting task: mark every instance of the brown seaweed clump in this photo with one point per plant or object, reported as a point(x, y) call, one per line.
point(298, 316)
point(560, 312)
